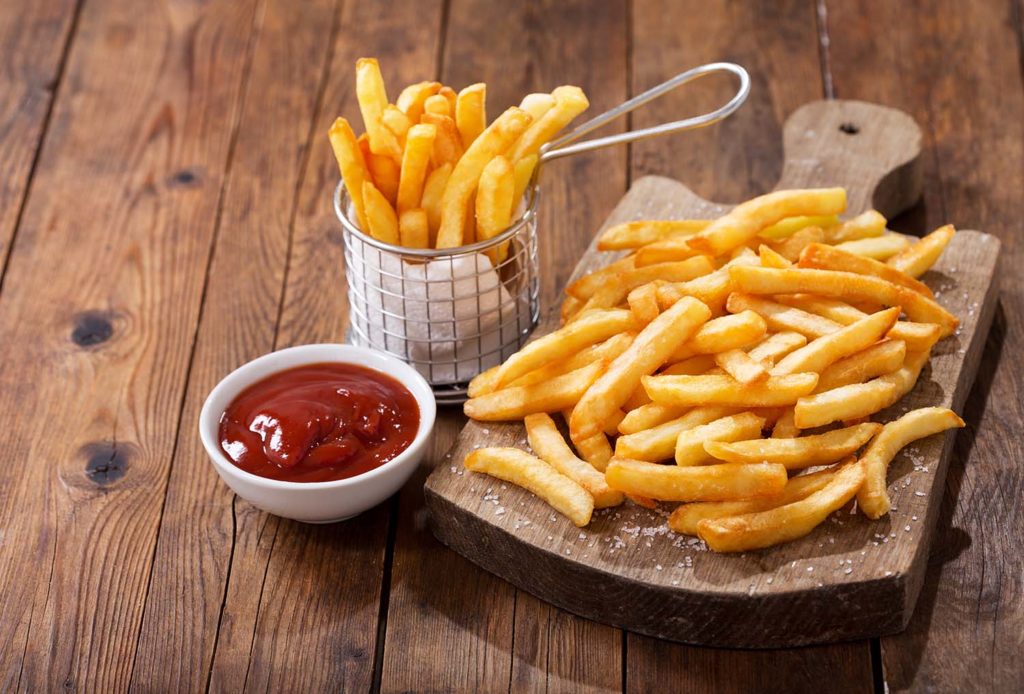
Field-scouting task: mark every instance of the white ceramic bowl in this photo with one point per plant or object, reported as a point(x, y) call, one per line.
point(317, 502)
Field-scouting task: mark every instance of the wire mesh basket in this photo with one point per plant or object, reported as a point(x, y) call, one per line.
point(450, 313)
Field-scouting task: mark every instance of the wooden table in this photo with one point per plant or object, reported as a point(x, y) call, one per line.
point(165, 215)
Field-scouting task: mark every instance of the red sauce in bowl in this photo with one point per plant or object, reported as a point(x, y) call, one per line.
point(319, 422)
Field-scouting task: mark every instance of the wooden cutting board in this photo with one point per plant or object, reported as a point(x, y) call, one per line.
point(850, 578)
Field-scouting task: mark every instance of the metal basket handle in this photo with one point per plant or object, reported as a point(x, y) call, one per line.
point(562, 148)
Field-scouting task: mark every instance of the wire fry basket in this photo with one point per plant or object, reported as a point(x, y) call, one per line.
point(452, 313)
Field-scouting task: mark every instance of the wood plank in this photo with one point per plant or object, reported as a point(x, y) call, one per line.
point(515, 49)
point(102, 297)
point(940, 65)
point(197, 540)
point(628, 570)
point(34, 37)
point(316, 590)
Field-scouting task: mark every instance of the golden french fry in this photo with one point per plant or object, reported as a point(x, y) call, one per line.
point(631, 235)
point(590, 329)
point(784, 523)
point(649, 350)
point(643, 302)
point(352, 166)
point(865, 225)
point(822, 257)
point(464, 178)
point(437, 105)
point(740, 366)
point(419, 144)
point(433, 192)
point(449, 94)
point(698, 483)
point(792, 246)
point(523, 173)
point(644, 501)
point(785, 427)
point(471, 112)
point(873, 497)
point(842, 285)
point(690, 443)
point(413, 228)
point(686, 518)
point(447, 141)
point(595, 450)
point(843, 404)
point(721, 334)
point(385, 173)
point(397, 122)
point(877, 247)
point(877, 360)
point(828, 349)
point(571, 306)
point(782, 317)
point(533, 474)
point(537, 104)
point(791, 225)
point(585, 287)
point(796, 453)
point(922, 254)
point(747, 219)
point(658, 442)
point(712, 289)
point(724, 390)
point(555, 395)
point(373, 99)
point(569, 103)
point(413, 97)
point(770, 258)
point(548, 444)
point(643, 414)
point(776, 346)
point(494, 205)
point(380, 216)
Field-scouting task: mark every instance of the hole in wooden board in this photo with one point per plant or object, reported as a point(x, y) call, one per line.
point(92, 328)
point(107, 461)
point(849, 128)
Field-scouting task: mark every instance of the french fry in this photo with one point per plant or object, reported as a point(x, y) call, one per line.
point(643, 302)
point(413, 228)
point(822, 257)
point(873, 497)
point(658, 442)
point(842, 285)
point(698, 483)
point(437, 105)
point(413, 97)
point(721, 334)
point(877, 360)
point(471, 112)
point(373, 99)
point(784, 523)
point(686, 517)
point(595, 450)
point(419, 144)
point(585, 287)
point(397, 122)
point(865, 225)
point(776, 346)
point(433, 192)
point(569, 103)
point(878, 247)
point(449, 94)
point(712, 289)
point(737, 427)
point(740, 366)
point(724, 390)
point(922, 254)
point(537, 104)
point(385, 173)
point(791, 225)
point(785, 427)
point(632, 235)
point(547, 443)
point(380, 216)
point(523, 174)
point(590, 329)
point(792, 246)
point(352, 166)
point(843, 404)
point(770, 258)
point(509, 404)
point(533, 474)
point(494, 204)
point(464, 178)
point(571, 306)
point(828, 349)
point(649, 350)
point(795, 453)
point(646, 414)
point(783, 317)
point(447, 141)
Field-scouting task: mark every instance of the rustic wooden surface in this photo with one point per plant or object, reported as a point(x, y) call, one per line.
point(836, 584)
point(148, 151)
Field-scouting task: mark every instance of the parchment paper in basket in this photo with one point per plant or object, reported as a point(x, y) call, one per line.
point(467, 301)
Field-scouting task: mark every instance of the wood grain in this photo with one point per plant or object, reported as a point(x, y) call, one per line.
point(516, 48)
point(940, 67)
point(102, 297)
point(792, 604)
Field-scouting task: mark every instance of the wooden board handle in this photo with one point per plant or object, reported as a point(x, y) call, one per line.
point(872, 151)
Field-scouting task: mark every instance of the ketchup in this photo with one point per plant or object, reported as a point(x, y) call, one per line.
point(319, 422)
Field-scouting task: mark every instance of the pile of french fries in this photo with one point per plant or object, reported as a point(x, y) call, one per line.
point(729, 364)
point(430, 172)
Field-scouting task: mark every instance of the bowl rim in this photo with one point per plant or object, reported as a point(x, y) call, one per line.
point(239, 379)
